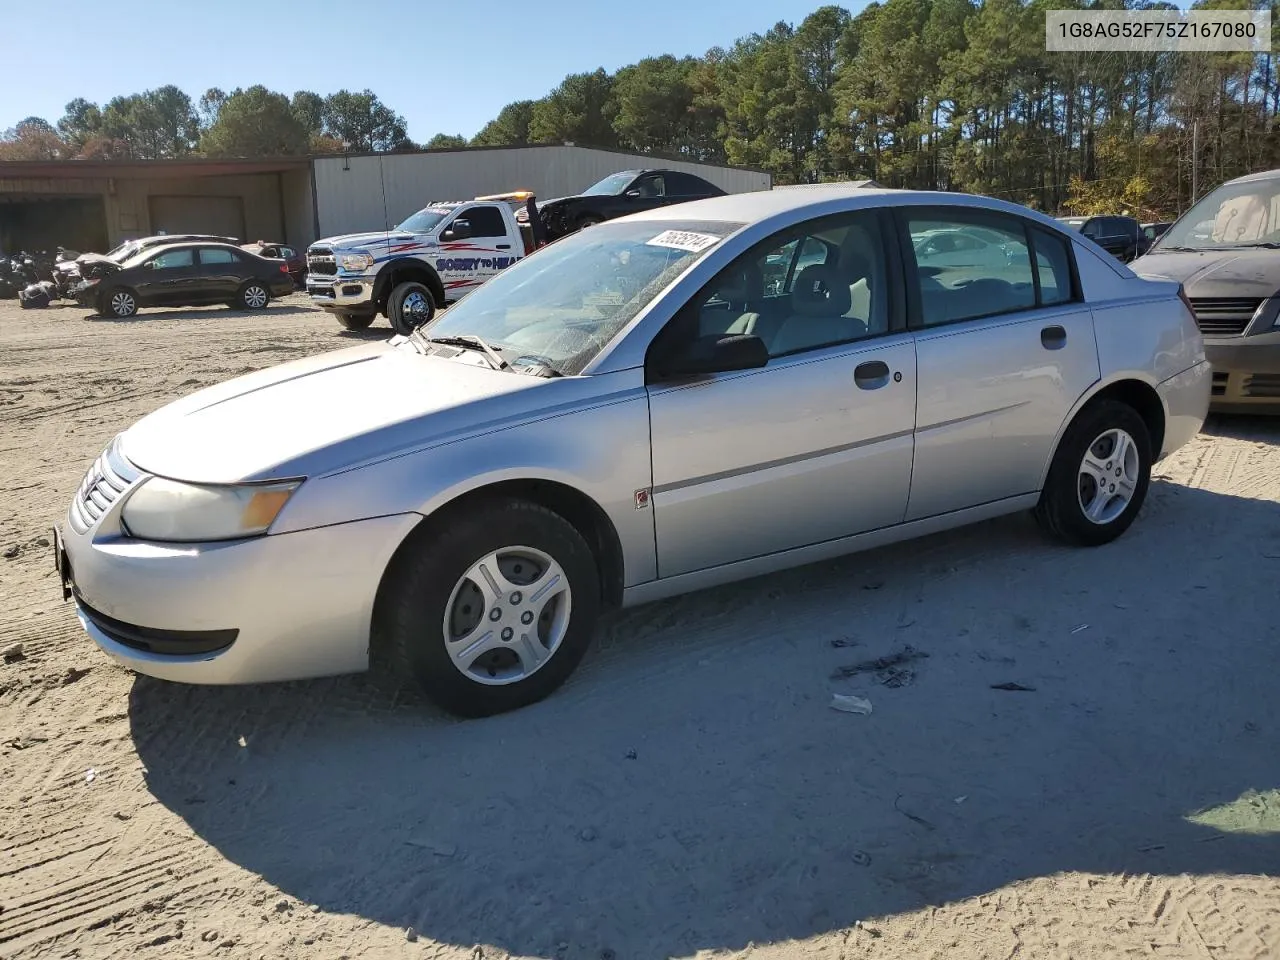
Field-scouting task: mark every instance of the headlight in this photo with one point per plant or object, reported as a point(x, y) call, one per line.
point(165, 510)
point(356, 261)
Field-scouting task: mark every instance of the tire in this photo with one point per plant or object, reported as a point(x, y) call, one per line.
point(1072, 506)
point(120, 303)
point(590, 220)
point(429, 596)
point(355, 321)
point(410, 306)
point(254, 295)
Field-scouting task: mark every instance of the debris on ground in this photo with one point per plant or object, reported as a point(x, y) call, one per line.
point(73, 674)
point(905, 655)
point(410, 934)
point(90, 775)
point(14, 654)
point(845, 642)
point(11, 551)
point(1014, 687)
point(896, 677)
point(961, 799)
point(861, 858)
point(1081, 628)
point(847, 703)
point(911, 816)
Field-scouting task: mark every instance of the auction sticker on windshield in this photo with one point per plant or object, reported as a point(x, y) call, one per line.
point(684, 240)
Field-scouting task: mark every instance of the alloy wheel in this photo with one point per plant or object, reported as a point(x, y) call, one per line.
point(507, 615)
point(1108, 476)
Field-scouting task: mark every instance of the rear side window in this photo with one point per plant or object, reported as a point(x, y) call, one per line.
point(1053, 267)
point(685, 185)
point(171, 259)
point(970, 266)
point(485, 222)
point(214, 255)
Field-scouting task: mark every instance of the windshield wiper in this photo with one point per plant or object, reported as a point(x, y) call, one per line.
point(1264, 244)
point(475, 343)
point(1177, 249)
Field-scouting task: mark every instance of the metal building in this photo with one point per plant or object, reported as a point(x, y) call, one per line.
point(375, 192)
point(94, 205)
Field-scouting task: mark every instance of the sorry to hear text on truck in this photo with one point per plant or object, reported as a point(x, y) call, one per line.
point(432, 259)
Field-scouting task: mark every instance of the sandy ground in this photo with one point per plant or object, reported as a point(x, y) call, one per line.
point(690, 791)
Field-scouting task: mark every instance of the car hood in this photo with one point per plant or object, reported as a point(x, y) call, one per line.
point(1215, 273)
point(319, 414)
point(364, 241)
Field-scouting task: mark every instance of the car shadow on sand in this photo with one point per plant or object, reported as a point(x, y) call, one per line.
point(691, 788)
point(199, 313)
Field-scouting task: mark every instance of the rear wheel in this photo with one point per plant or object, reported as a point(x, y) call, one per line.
point(1099, 476)
point(119, 303)
point(589, 220)
point(355, 321)
point(410, 306)
point(252, 296)
point(491, 611)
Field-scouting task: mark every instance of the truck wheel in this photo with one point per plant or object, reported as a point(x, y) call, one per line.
point(409, 307)
point(355, 321)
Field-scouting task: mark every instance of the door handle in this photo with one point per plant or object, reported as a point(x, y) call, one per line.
point(871, 375)
point(504, 246)
point(1053, 338)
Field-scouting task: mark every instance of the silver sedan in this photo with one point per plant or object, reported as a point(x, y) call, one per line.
point(668, 401)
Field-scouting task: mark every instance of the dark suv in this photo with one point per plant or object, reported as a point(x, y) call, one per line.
point(1120, 236)
point(628, 191)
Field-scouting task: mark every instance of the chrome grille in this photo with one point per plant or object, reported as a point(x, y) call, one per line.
point(1224, 316)
point(109, 477)
point(322, 262)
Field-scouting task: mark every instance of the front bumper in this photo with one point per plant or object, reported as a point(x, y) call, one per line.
point(1246, 372)
point(280, 607)
point(340, 293)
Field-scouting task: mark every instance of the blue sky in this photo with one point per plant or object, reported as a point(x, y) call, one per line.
point(446, 67)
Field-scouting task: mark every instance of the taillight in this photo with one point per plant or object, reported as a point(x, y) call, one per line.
point(284, 268)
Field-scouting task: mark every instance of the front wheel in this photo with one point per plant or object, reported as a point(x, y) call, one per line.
point(1099, 477)
point(252, 296)
point(410, 306)
point(491, 611)
point(119, 303)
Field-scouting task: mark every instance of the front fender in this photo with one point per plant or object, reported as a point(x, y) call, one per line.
point(600, 450)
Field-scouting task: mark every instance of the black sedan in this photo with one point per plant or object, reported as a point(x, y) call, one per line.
point(618, 194)
point(186, 275)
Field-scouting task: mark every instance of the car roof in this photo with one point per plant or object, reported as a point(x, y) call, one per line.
point(184, 244)
point(819, 200)
point(1260, 175)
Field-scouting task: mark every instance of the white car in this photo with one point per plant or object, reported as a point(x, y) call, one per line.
point(630, 413)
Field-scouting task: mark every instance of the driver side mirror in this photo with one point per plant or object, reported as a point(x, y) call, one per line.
point(716, 353)
point(633, 194)
point(458, 230)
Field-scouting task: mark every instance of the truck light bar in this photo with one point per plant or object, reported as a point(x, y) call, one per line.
point(513, 195)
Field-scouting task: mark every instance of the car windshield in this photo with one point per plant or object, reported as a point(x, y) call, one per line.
point(424, 221)
point(123, 252)
point(613, 184)
point(1234, 215)
point(563, 304)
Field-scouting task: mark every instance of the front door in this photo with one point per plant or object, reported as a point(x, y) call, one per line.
point(168, 277)
point(1003, 351)
point(812, 447)
point(485, 248)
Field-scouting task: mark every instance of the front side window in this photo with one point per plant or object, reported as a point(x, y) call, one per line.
point(817, 285)
point(960, 280)
point(651, 186)
point(173, 259)
point(485, 222)
point(567, 301)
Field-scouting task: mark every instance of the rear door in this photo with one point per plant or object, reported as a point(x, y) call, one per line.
point(166, 279)
point(221, 273)
point(1003, 353)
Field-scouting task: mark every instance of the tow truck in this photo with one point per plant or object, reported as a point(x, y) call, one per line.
point(434, 258)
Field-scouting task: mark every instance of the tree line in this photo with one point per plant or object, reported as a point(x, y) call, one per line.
point(931, 94)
